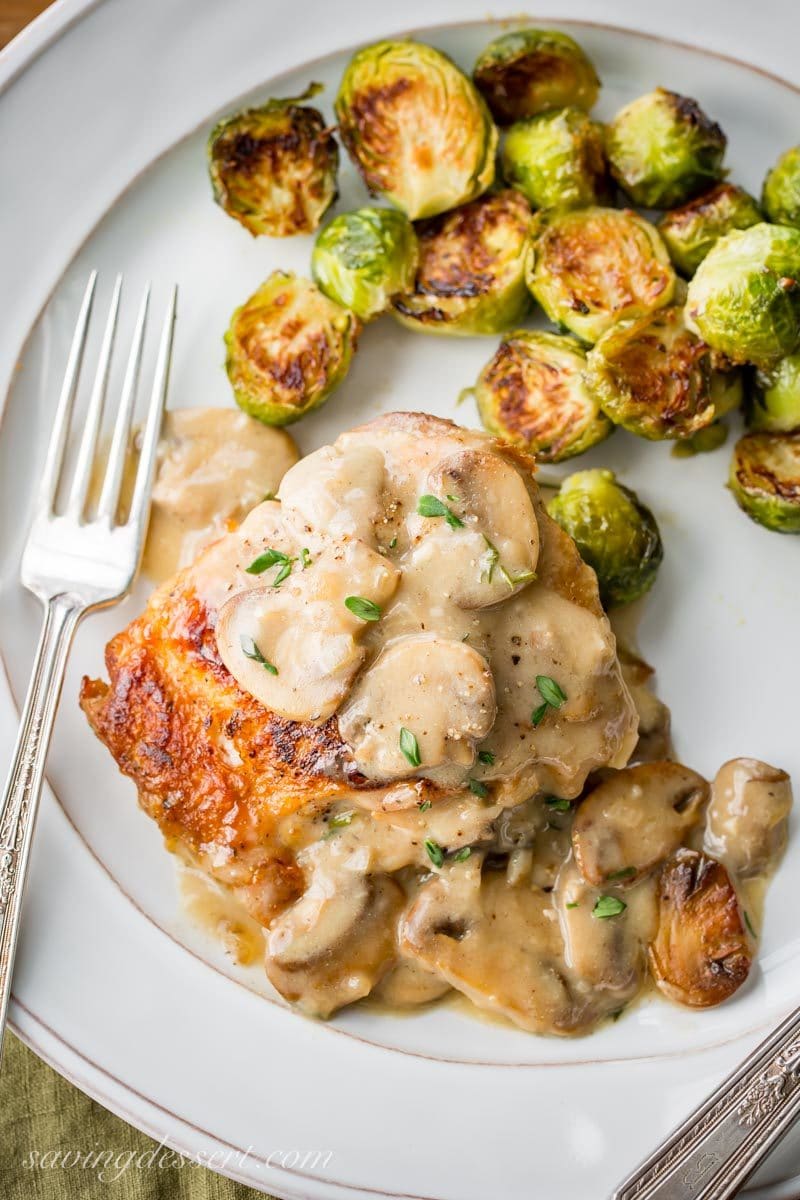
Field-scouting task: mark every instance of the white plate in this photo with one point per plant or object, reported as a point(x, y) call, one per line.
point(113, 985)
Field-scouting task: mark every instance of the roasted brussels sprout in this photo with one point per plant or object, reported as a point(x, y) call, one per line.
point(592, 267)
point(363, 258)
point(745, 298)
point(533, 70)
point(557, 159)
point(533, 393)
point(765, 479)
point(288, 347)
point(691, 230)
point(615, 533)
point(662, 149)
point(471, 273)
point(273, 168)
point(781, 195)
point(775, 399)
point(656, 378)
point(415, 127)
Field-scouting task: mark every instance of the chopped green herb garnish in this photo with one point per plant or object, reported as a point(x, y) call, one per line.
point(486, 757)
point(454, 499)
point(410, 747)
point(266, 560)
point(478, 789)
point(393, 543)
point(749, 923)
point(251, 650)
point(537, 715)
point(424, 806)
point(284, 573)
point(557, 804)
point(337, 821)
point(608, 906)
point(362, 608)
point(435, 852)
point(432, 506)
point(625, 873)
point(573, 904)
point(491, 557)
point(550, 692)
point(462, 855)
point(305, 558)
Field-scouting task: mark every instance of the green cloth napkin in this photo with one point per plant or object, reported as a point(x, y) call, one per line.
point(43, 1118)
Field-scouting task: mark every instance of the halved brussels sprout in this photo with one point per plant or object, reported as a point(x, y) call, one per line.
point(557, 159)
point(415, 127)
point(592, 267)
point(656, 378)
point(745, 298)
point(471, 272)
point(533, 70)
point(615, 533)
point(691, 230)
point(533, 393)
point(288, 347)
point(775, 402)
point(362, 259)
point(781, 194)
point(663, 149)
point(273, 168)
point(765, 479)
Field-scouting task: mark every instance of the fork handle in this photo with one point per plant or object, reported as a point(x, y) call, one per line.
point(24, 785)
point(715, 1151)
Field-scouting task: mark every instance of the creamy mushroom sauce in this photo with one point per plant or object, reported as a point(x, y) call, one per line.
point(517, 863)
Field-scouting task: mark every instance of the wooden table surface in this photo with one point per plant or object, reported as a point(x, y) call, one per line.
point(15, 14)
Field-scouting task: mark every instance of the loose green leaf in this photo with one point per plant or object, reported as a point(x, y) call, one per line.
point(573, 904)
point(362, 608)
point(305, 558)
point(424, 806)
point(550, 691)
point(608, 906)
point(625, 873)
point(557, 804)
point(338, 821)
point(284, 573)
point(486, 757)
point(435, 852)
point(432, 506)
point(462, 855)
point(490, 558)
point(251, 650)
point(393, 543)
point(266, 560)
point(410, 747)
point(478, 789)
point(537, 716)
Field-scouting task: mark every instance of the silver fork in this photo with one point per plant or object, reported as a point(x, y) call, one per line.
point(74, 565)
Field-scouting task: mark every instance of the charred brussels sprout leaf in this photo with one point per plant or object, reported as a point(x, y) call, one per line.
point(656, 378)
point(533, 70)
point(288, 347)
point(690, 231)
point(557, 159)
point(592, 267)
point(775, 403)
point(364, 258)
point(415, 127)
point(471, 273)
point(781, 194)
point(533, 393)
point(614, 532)
point(765, 479)
point(273, 168)
point(745, 298)
point(663, 149)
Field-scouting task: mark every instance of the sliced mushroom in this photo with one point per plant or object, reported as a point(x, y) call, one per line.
point(439, 691)
point(409, 984)
point(635, 819)
point(331, 947)
point(655, 741)
point(503, 951)
point(492, 553)
point(748, 817)
point(335, 493)
point(296, 647)
point(702, 952)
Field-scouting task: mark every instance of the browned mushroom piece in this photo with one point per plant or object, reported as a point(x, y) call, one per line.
point(655, 741)
point(334, 943)
point(702, 952)
point(635, 819)
point(748, 817)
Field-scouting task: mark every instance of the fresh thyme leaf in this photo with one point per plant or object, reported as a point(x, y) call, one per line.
point(435, 852)
point(251, 650)
point(453, 499)
point(572, 904)
point(284, 573)
point(749, 923)
point(478, 789)
point(491, 557)
point(486, 757)
point(608, 906)
point(538, 714)
point(550, 691)
point(305, 558)
point(393, 543)
point(266, 560)
point(339, 820)
point(410, 747)
point(557, 804)
point(362, 608)
point(432, 506)
point(424, 806)
point(625, 873)
point(462, 855)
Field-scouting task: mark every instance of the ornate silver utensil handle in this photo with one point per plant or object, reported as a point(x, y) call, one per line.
point(713, 1153)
